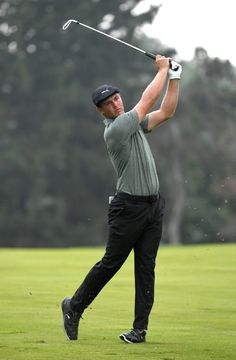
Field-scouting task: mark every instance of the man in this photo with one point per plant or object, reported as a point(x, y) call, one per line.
point(136, 211)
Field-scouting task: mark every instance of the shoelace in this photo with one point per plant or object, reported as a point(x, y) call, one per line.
point(137, 332)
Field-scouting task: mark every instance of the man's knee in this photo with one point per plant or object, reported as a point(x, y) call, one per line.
point(112, 262)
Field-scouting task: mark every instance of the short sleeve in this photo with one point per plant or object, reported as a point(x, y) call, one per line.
point(144, 124)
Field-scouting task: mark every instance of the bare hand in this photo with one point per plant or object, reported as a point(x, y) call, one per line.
point(162, 62)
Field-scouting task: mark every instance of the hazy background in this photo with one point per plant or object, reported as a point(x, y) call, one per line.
point(55, 174)
point(186, 25)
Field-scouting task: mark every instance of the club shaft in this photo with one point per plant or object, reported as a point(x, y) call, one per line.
point(67, 24)
point(147, 53)
point(120, 41)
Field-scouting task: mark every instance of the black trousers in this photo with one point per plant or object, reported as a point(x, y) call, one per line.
point(135, 223)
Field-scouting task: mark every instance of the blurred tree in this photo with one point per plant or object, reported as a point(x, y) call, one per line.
point(208, 114)
point(54, 171)
point(55, 174)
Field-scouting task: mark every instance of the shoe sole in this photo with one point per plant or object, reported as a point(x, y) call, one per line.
point(64, 330)
point(122, 337)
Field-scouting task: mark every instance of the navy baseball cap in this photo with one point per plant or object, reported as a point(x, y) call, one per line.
point(102, 93)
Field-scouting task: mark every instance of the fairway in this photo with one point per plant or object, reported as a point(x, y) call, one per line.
point(194, 315)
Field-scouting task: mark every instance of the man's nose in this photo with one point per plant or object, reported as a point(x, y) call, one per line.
point(114, 102)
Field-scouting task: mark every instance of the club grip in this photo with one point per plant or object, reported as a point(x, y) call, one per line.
point(152, 56)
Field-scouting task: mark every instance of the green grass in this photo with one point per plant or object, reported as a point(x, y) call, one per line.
point(194, 316)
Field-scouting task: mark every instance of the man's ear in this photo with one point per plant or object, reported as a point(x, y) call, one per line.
point(99, 109)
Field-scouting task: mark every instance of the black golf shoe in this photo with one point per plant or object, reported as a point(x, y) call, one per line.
point(134, 336)
point(70, 320)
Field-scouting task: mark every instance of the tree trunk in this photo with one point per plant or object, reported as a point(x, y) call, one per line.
point(178, 193)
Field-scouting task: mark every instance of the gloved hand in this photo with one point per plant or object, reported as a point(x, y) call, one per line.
point(175, 71)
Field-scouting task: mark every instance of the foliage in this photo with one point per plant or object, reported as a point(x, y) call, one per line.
point(55, 174)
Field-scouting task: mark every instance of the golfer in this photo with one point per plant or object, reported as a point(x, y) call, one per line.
point(136, 211)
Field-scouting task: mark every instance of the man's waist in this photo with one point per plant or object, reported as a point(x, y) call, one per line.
point(137, 198)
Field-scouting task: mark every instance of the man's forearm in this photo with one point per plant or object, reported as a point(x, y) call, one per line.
point(170, 100)
point(168, 106)
point(153, 91)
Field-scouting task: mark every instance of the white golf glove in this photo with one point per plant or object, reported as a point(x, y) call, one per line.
point(176, 71)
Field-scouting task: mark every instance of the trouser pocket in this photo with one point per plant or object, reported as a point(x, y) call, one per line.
point(116, 207)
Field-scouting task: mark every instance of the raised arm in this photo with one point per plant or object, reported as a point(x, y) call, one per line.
point(154, 89)
point(169, 102)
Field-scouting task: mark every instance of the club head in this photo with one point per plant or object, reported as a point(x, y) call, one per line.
point(67, 24)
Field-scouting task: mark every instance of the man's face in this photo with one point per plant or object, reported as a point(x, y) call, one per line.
point(112, 106)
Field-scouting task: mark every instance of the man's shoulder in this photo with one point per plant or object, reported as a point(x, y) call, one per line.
point(129, 114)
point(121, 128)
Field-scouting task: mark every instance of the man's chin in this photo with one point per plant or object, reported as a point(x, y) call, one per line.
point(119, 112)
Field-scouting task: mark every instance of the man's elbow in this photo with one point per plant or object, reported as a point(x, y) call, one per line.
point(168, 114)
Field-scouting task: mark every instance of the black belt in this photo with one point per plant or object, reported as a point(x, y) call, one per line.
point(137, 198)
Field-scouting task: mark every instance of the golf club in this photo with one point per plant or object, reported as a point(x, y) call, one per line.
point(173, 64)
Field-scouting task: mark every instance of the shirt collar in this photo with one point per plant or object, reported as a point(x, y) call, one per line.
point(107, 122)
